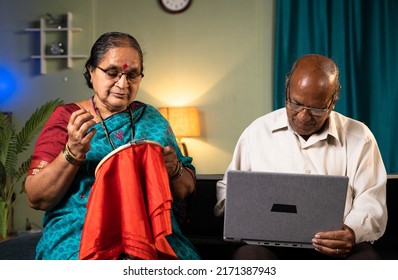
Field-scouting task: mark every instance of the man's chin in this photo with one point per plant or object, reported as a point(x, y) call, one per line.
point(304, 132)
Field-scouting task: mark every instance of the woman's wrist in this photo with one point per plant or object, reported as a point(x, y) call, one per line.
point(177, 171)
point(71, 158)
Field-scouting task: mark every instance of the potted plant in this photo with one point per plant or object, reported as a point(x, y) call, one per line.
point(12, 144)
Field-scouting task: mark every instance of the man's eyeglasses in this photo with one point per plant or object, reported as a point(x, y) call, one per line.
point(318, 112)
point(132, 77)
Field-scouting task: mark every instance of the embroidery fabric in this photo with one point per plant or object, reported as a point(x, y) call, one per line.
point(130, 196)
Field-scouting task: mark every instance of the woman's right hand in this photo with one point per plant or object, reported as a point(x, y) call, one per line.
point(46, 188)
point(78, 138)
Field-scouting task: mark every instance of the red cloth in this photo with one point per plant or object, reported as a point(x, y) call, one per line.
point(129, 207)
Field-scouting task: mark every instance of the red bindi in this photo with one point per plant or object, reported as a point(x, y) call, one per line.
point(125, 66)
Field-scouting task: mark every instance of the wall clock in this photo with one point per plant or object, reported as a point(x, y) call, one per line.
point(175, 6)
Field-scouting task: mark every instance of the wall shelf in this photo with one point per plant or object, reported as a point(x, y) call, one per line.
point(68, 30)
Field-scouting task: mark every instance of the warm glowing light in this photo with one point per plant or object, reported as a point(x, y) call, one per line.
point(184, 121)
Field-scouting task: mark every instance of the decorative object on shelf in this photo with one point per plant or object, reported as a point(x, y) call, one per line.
point(12, 144)
point(175, 6)
point(55, 21)
point(57, 48)
point(62, 26)
point(184, 121)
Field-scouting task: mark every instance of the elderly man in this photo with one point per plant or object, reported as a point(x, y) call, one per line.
point(307, 136)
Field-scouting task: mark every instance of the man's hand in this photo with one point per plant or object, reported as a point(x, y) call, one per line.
point(335, 243)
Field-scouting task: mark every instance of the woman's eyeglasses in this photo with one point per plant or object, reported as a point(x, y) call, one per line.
point(132, 77)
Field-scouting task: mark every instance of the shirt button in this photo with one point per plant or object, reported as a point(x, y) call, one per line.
point(308, 171)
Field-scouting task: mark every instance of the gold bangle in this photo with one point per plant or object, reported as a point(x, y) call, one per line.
point(71, 158)
point(177, 172)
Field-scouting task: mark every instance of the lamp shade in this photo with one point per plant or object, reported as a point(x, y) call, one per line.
point(183, 120)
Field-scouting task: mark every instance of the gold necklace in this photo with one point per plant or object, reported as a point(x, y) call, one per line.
point(106, 129)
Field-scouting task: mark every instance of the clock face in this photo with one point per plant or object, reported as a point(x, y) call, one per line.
point(175, 6)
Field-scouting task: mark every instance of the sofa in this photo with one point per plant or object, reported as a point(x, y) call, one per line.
point(206, 231)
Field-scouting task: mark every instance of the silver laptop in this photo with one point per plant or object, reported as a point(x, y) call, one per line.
point(282, 209)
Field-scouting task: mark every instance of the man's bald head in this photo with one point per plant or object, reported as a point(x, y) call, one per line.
point(315, 67)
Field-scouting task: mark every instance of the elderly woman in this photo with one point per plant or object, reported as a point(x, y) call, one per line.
point(75, 140)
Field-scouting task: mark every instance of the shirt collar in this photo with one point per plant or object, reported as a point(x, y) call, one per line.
point(280, 123)
point(330, 129)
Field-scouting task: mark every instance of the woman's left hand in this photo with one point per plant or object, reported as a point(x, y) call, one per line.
point(170, 159)
point(184, 184)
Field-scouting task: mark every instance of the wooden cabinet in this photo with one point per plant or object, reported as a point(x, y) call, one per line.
point(65, 32)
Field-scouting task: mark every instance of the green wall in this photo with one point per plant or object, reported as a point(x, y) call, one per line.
point(216, 56)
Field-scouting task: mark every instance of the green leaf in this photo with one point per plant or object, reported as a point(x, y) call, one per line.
point(2, 180)
point(8, 153)
point(7, 132)
point(35, 123)
point(12, 144)
point(22, 172)
point(3, 218)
